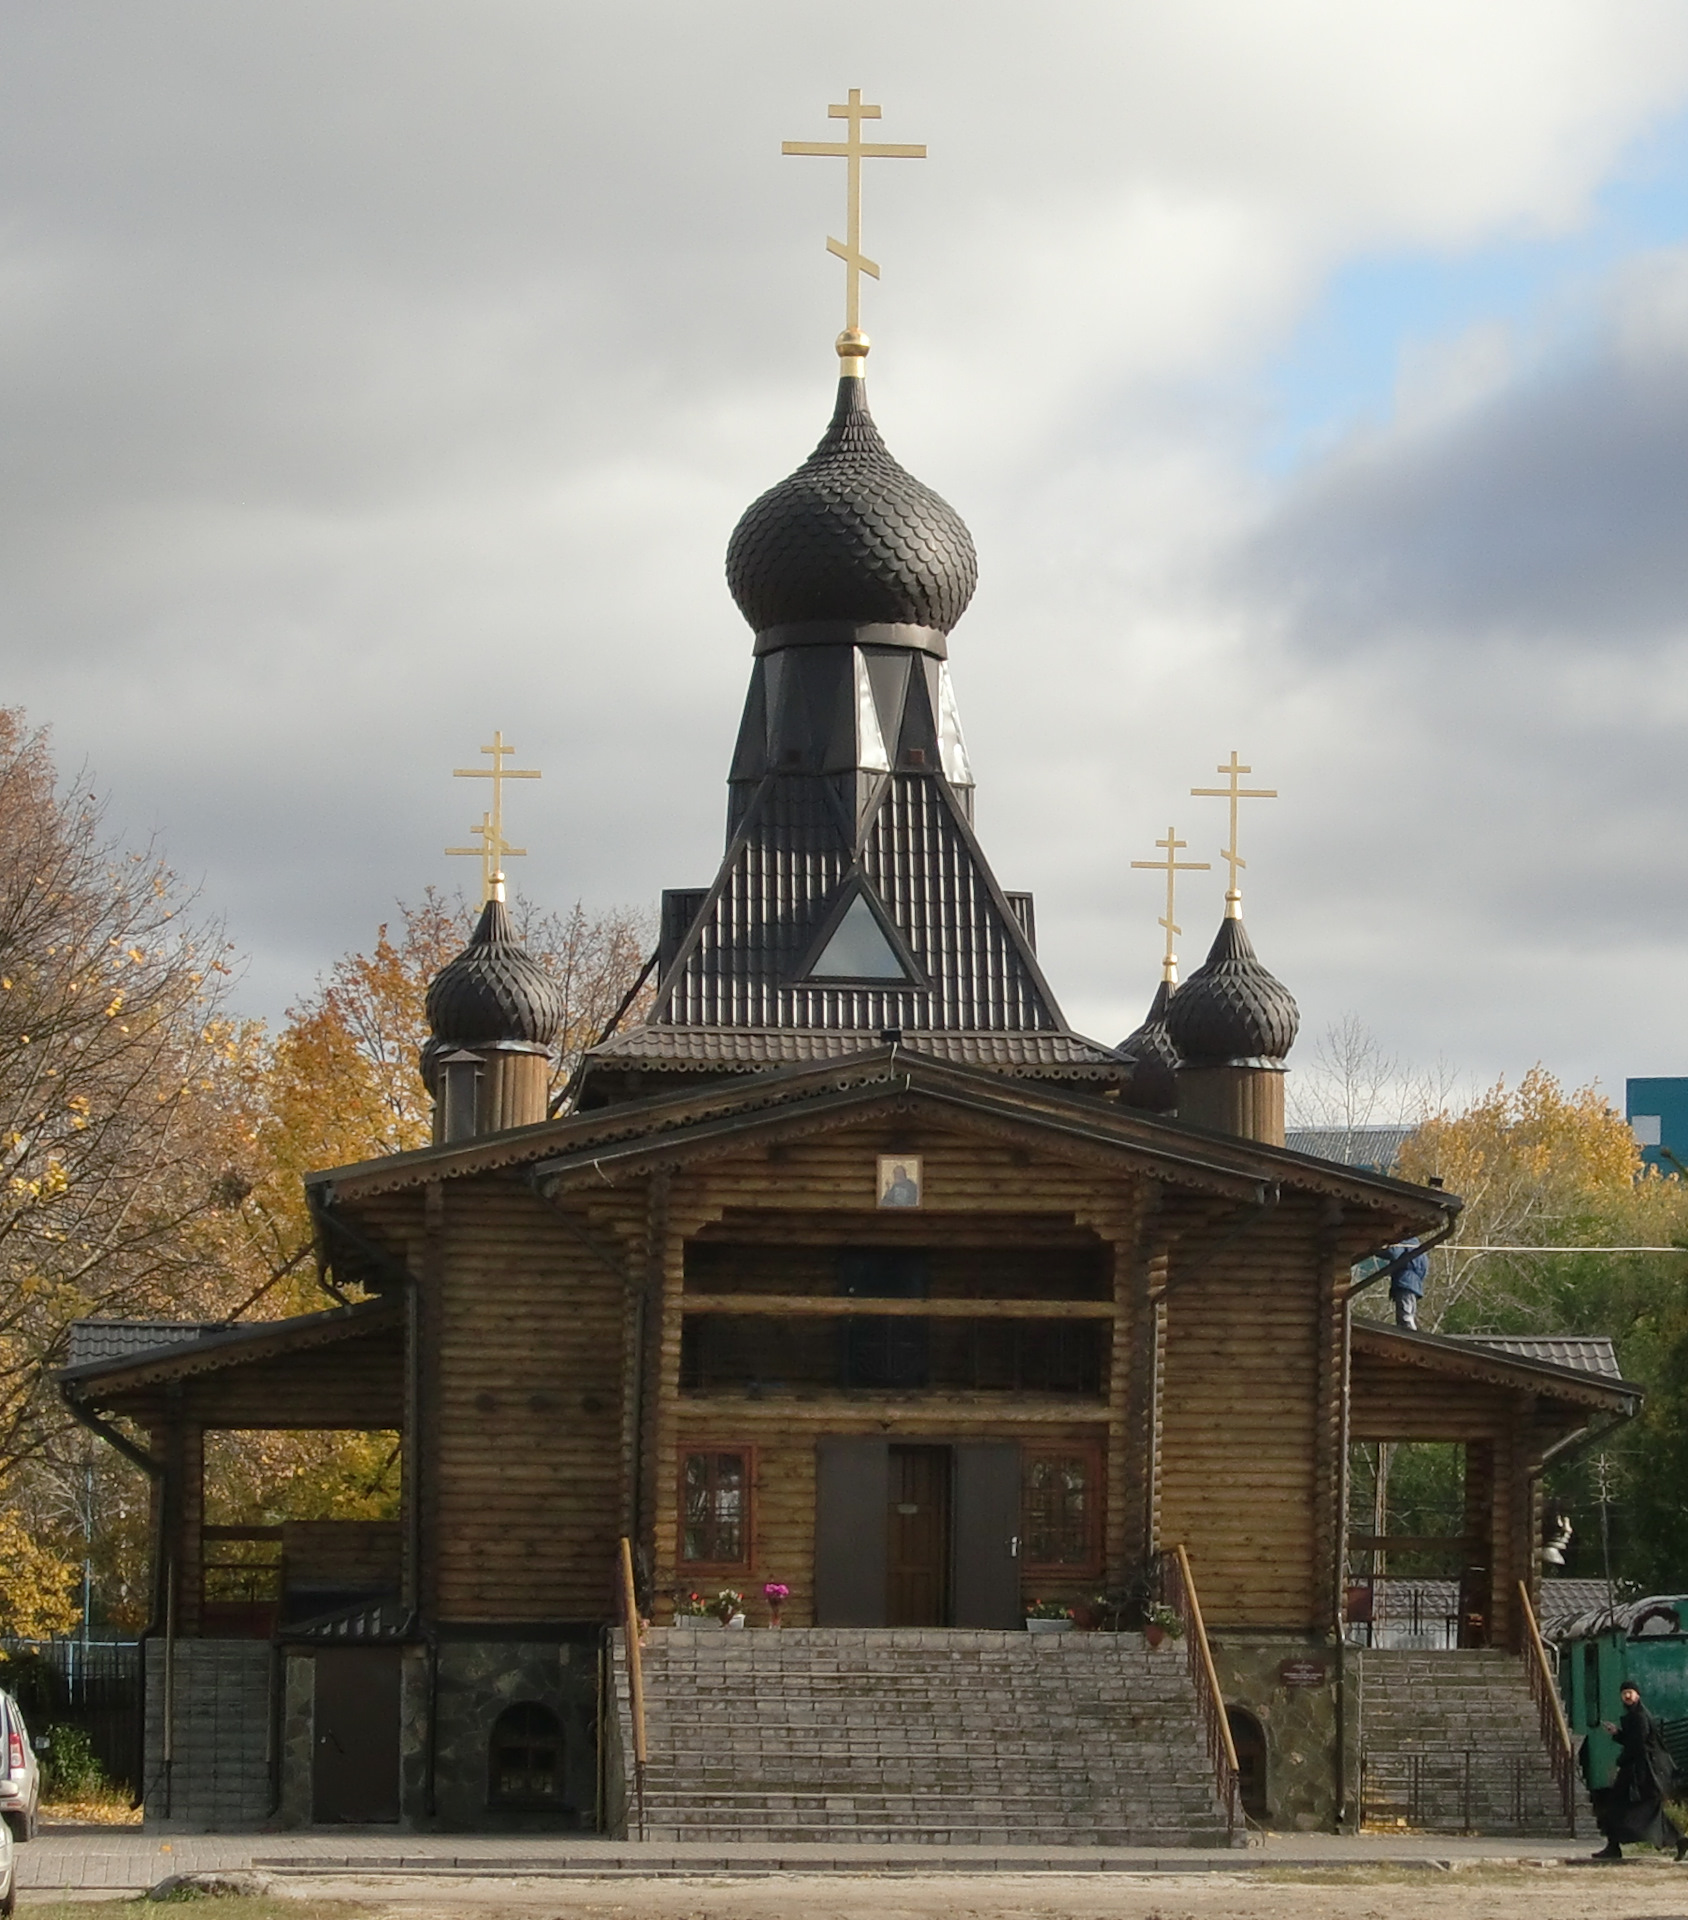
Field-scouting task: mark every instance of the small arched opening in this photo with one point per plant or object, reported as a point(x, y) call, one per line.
point(526, 1760)
point(1249, 1739)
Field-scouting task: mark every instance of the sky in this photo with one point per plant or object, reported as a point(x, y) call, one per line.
point(1313, 378)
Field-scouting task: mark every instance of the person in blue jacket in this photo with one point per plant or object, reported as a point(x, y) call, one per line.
point(1409, 1268)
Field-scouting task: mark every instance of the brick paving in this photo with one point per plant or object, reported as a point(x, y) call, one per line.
point(130, 1859)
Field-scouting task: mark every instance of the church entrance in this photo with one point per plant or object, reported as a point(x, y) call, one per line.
point(917, 1537)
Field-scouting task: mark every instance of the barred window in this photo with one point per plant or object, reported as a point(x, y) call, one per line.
point(1060, 1502)
point(715, 1508)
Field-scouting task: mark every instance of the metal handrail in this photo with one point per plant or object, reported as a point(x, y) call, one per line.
point(1555, 1729)
point(635, 1677)
point(1221, 1748)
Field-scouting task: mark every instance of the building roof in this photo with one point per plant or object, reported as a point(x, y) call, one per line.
point(748, 1049)
point(219, 1345)
point(95, 1341)
point(1376, 1147)
point(1578, 1352)
point(1658, 1616)
point(1590, 1380)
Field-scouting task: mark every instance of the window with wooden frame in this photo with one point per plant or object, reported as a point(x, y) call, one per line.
point(1061, 1509)
point(715, 1485)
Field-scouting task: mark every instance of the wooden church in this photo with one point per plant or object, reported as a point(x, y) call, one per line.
point(851, 1268)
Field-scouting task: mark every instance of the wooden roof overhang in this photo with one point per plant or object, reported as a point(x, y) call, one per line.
point(610, 1145)
point(1570, 1392)
point(342, 1368)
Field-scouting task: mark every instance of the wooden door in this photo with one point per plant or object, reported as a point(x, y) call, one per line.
point(850, 1496)
point(355, 1759)
point(987, 1535)
point(917, 1537)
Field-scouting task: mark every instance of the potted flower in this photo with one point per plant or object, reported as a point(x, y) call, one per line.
point(728, 1607)
point(1048, 1616)
point(689, 1609)
point(1161, 1622)
point(776, 1593)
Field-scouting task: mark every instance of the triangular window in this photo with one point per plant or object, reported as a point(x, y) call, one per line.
point(859, 948)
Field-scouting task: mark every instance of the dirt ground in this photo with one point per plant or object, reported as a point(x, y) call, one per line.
point(1638, 1890)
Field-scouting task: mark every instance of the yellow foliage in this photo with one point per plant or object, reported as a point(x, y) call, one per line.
point(35, 1585)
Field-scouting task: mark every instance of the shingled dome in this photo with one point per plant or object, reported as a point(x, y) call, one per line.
point(851, 537)
point(1231, 1010)
point(1153, 1057)
point(493, 991)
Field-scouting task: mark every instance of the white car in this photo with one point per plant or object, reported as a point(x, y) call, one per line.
point(20, 1776)
point(8, 1871)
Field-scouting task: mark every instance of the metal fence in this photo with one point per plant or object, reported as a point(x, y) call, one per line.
point(94, 1686)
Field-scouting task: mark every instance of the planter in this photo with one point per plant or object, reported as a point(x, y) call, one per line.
point(737, 1621)
point(1048, 1626)
point(1153, 1634)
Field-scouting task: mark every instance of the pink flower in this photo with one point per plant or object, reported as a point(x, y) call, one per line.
point(775, 1591)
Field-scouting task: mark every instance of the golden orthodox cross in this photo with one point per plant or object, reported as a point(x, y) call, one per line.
point(493, 848)
point(1171, 866)
point(491, 851)
point(852, 342)
point(1234, 770)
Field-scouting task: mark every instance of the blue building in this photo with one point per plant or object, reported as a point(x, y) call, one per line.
point(1657, 1111)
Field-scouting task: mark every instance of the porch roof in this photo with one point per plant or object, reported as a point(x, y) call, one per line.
point(1583, 1374)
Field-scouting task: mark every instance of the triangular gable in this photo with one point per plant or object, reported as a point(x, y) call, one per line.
point(858, 942)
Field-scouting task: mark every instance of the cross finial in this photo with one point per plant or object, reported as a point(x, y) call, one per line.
point(494, 849)
point(1234, 770)
point(1171, 866)
point(852, 342)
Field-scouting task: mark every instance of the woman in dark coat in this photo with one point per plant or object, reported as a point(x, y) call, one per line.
point(1644, 1776)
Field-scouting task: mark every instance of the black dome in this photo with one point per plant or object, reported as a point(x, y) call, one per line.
point(1153, 1057)
point(1231, 1008)
point(494, 990)
point(851, 536)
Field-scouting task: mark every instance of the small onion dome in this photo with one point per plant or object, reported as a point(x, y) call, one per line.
point(1231, 1010)
point(493, 991)
point(851, 536)
point(1153, 1057)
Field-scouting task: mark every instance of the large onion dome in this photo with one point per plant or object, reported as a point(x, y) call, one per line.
point(1153, 1057)
point(493, 992)
point(851, 537)
point(1231, 1011)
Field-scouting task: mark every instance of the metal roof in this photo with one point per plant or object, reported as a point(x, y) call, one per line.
point(1376, 1147)
point(1579, 1352)
point(1658, 1616)
point(97, 1340)
point(745, 1049)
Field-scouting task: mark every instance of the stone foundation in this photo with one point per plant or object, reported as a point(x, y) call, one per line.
point(1299, 1723)
point(214, 1696)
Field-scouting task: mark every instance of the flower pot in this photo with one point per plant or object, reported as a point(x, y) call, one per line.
point(737, 1620)
point(1153, 1634)
point(1048, 1626)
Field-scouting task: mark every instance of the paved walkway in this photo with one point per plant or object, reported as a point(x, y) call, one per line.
point(131, 1859)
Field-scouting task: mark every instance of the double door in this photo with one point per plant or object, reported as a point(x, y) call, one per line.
point(917, 1535)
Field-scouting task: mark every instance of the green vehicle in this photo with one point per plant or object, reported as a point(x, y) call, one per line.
point(1645, 1641)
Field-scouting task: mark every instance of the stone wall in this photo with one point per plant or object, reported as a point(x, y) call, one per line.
point(219, 1706)
point(475, 1682)
point(1299, 1723)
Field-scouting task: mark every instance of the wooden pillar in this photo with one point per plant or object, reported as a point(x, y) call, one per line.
point(425, 1452)
point(1246, 1101)
point(1137, 1267)
point(1330, 1431)
point(659, 1385)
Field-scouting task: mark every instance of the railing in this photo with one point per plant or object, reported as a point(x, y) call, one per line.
point(1178, 1590)
point(635, 1678)
point(1555, 1732)
point(1461, 1790)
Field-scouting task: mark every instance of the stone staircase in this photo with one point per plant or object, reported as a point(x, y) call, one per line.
point(914, 1735)
point(1451, 1742)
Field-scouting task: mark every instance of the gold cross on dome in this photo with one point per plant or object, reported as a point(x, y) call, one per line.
point(1171, 866)
point(493, 851)
point(1234, 770)
point(493, 848)
point(852, 343)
